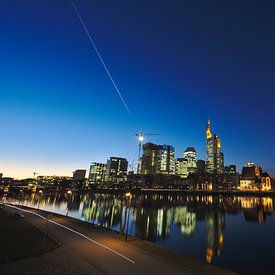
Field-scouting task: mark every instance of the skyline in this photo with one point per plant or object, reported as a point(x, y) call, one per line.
point(130, 167)
point(174, 65)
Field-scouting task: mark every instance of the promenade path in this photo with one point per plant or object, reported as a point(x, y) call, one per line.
point(106, 251)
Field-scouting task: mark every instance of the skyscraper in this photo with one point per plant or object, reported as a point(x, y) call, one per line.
point(181, 168)
point(167, 162)
point(157, 159)
point(191, 155)
point(97, 172)
point(214, 156)
point(150, 159)
point(116, 169)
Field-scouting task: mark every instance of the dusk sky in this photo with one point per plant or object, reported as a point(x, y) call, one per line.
point(176, 63)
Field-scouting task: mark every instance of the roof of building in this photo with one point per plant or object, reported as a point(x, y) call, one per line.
point(188, 149)
point(248, 172)
point(181, 159)
point(265, 175)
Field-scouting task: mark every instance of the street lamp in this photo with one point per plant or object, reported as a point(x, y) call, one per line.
point(128, 197)
point(140, 140)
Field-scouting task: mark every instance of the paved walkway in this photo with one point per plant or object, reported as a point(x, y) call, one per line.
point(60, 261)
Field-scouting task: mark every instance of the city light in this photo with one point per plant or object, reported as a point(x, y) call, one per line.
point(128, 195)
point(141, 138)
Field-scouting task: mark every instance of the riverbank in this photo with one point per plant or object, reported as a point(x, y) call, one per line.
point(181, 192)
point(145, 191)
point(107, 251)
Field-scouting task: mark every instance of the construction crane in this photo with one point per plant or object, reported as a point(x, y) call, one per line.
point(35, 174)
point(140, 137)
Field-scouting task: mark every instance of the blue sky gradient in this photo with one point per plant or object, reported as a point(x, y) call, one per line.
point(175, 62)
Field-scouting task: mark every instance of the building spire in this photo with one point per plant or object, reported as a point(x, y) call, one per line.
point(208, 131)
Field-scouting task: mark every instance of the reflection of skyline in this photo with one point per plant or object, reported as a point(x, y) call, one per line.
point(154, 217)
point(214, 229)
point(186, 220)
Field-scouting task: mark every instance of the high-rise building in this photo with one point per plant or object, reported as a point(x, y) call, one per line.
point(191, 155)
point(167, 159)
point(79, 174)
point(157, 159)
point(214, 156)
point(181, 167)
point(116, 169)
point(150, 159)
point(97, 172)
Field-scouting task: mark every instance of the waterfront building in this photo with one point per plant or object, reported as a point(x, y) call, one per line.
point(150, 159)
point(253, 179)
point(79, 174)
point(97, 172)
point(181, 168)
point(116, 169)
point(157, 159)
point(201, 166)
point(167, 156)
point(214, 156)
point(191, 155)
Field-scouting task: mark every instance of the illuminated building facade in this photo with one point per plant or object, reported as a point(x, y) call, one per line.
point(214, 156)
point(181, 168)
point(97, 172)
point(157, 159)
point(253, 179)
point(116, 169)
point(150, 159)
point(191, 155)
point(167, 158)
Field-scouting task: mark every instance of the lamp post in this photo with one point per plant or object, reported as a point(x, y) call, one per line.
point(128, 197)
point(39, 198)
point(69, 192)
point(140, 139)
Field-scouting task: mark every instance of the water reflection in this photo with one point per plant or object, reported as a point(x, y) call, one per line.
point(157, 217)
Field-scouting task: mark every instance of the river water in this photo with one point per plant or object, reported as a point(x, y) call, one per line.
point(229, 231)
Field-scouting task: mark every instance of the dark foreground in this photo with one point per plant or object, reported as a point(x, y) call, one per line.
point(97, 250)
point(26, 249)
point(20, 240)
